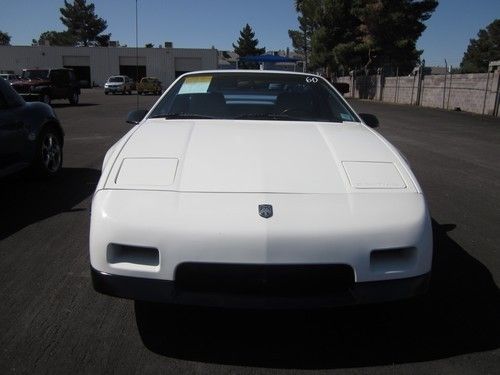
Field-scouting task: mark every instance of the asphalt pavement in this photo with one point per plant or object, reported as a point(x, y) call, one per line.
point(52, 322)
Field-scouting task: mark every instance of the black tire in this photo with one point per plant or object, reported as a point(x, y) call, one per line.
point(75, 98)
point(46, 98)
point(106, 93)
point(49, 153)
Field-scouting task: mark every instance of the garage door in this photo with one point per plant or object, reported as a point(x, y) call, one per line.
point(81, 67)
point(76, 60)
point(186, 64)
point(131, 60)
point(133, 67)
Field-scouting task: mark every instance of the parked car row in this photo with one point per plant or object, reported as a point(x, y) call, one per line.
point(47, 84)
point(122, 84)
point(9, 77)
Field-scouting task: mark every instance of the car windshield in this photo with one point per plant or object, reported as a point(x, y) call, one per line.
point(253, 96)
point(35, 74)
point(116, 79)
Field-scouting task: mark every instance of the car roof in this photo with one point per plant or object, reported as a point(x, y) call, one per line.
point(244, 71)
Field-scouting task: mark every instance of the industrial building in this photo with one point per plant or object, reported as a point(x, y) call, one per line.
point(93, 65)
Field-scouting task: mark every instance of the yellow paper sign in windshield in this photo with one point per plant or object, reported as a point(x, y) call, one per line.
point(195, 85)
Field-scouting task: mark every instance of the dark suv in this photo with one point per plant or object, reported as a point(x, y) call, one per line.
point(48, 84)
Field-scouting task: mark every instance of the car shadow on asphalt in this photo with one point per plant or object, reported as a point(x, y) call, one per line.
point(460, 315)
point(25, 200)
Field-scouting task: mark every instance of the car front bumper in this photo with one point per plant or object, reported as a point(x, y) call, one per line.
point(166, 291)
point(114, 89)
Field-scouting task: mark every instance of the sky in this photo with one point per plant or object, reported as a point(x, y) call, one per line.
point(207, 23)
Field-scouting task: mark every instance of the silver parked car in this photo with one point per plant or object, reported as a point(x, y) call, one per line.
point(119, 84)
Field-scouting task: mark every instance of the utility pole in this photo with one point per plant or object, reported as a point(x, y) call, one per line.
point(136, 55)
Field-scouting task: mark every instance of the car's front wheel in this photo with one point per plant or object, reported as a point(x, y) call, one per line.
point(49, 153)
point(46, 98)
point(74, 99)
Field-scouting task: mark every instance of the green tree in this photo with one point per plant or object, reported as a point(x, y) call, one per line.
point(246, 44)
point(301, 38)
point(482, 50)
point(390, 30)
point(149, 45)
point(336, 41)
point(56, 38)
point(354, 34)
point(83, 23)
point(4, 39)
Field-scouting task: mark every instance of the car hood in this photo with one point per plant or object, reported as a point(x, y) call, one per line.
point(228, 156)
point(30, 82)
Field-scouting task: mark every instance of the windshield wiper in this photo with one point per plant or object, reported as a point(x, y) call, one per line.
point(182, 115)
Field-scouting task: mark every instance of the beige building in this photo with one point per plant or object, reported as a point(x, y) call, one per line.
point(95, 64)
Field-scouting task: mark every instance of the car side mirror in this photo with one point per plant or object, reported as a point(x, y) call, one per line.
point(369, 119)
point(136, 116)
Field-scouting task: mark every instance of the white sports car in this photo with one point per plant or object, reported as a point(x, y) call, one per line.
point(255, 188)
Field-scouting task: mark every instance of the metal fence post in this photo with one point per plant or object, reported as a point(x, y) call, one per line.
point(486, 90)
point(396, 88)
point(445, 74)
point(497, 96)
point(420, 84)
point(412, 89)
point(449, 91)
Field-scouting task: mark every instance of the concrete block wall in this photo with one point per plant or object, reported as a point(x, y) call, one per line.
point(477, 93)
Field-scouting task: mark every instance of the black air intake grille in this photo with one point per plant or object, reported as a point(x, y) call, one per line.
point(264, 279)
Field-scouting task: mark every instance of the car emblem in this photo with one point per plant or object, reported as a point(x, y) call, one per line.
point(265, 210)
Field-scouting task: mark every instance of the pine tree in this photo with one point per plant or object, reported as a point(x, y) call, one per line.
point(301, 38)
point(247, 43)
point(390, 30)
point(83, 23)
point(368, 34)
point(483, 50)
point(4, 39)
point(56, 38)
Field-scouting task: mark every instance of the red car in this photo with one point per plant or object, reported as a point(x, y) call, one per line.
point(48, 84)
